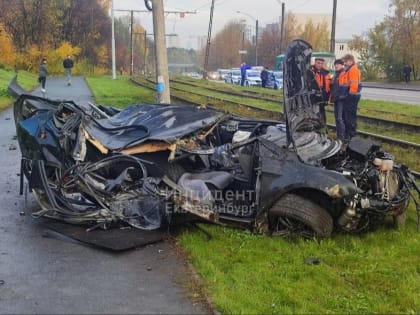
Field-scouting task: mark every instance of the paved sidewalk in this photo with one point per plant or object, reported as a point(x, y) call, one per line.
point(44, 275)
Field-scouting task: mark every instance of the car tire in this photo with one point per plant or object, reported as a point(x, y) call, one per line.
point(294, 215)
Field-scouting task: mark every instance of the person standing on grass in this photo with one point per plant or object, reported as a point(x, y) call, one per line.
point(323, 78)
point(68, 65)
point(338, 94)
point(42, 74)
point(264, 77)
point(244, 67)
point(351, 101)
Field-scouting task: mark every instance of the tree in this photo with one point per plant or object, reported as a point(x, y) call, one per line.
point(269, 46)
point(395, 41)
point(7, 51)
point(225, 47)
point(317, 35)
point(368, 64)
point(44, 25)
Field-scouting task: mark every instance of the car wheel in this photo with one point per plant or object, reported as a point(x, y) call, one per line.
point(293, 215)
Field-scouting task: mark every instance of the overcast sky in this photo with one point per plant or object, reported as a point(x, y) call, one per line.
point(353, 16)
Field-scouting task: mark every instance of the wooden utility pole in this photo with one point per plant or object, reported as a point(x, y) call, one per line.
point(206, 58)
point(131, 44)
point(162, 75)
point(332, 42)
point(282, 27)
point(114, 72)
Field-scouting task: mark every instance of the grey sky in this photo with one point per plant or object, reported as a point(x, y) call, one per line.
point(353, 16)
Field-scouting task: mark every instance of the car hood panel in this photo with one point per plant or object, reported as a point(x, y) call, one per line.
point(139, 123)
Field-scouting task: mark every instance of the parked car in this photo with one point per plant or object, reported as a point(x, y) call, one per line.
point(253, 78)
point(233, 77)
point(223, 73)
point(275, 80)
point(213, 75)
point(149, 164)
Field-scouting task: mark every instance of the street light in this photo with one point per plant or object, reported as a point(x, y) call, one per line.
point(256, 34)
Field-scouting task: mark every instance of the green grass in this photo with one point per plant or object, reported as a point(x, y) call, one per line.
point(392, 107)
point(27, 80)
point(119, 92)
point(377, 272)
point(243, 273)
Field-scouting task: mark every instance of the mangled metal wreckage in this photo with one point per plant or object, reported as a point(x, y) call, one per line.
point(149, 164)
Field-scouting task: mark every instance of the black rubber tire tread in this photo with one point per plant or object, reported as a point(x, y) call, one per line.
point(304, 210)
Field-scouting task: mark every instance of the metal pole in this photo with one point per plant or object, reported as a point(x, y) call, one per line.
point(332, 42)
point(145, 53)
point(162, 75)
point(282, 27)
point(256, 42)
point(206, 58)
point(114, 72)
point(131, 44)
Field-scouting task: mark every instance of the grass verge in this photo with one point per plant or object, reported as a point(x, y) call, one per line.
point(119, 92)
point(376, 272)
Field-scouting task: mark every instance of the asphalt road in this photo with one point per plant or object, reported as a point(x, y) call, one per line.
point(51, 275)
point(392, 95)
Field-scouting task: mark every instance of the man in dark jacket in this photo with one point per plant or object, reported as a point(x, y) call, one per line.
point(264, 77)
point(407, 73)
point(42, 75)
point(68, 65)
point(338, 95)
point(323, 78)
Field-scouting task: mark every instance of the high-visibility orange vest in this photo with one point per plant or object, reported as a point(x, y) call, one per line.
point(354, 79)
point(323, 78)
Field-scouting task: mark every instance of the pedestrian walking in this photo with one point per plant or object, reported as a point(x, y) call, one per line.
point(323, 78)
point(68, 65)
point(338, 95)
point(42, 74)
point(351, 101)
point(407, 73)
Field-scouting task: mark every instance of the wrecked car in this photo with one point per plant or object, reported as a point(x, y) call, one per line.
point(148, 165)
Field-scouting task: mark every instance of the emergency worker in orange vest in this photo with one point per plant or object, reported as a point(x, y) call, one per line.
point(338, 95)
point(323, 78)
point(353, 88)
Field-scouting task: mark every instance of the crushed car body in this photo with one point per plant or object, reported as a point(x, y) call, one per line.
point(149, 164)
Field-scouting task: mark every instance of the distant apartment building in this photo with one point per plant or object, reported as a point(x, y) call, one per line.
point(201, 42)
point(173, 41)
point(342, 48)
